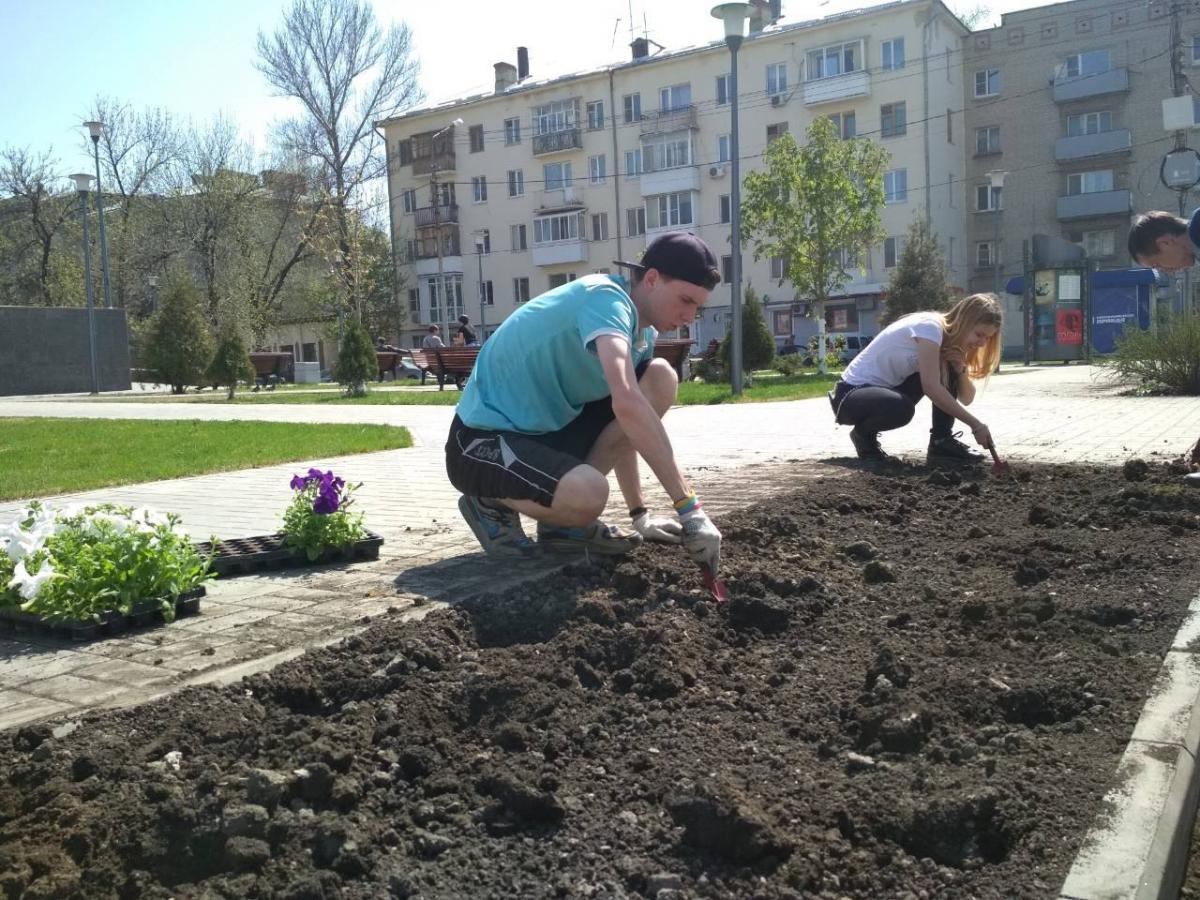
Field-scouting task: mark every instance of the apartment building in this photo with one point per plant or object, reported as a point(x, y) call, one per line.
point(547, 180)
point(1066, 102)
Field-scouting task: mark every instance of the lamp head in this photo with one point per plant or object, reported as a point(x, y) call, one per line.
point(95, 129)
point(734, 15)
point(83, 182)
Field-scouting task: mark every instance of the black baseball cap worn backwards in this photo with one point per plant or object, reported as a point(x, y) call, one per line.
point(681, 255)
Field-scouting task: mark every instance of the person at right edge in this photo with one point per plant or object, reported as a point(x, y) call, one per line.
point(924, 354)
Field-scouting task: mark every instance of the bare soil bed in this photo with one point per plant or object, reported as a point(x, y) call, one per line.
point(920, 688)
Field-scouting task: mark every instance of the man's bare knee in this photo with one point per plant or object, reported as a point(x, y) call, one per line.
point(659, 384)
point(580, 497)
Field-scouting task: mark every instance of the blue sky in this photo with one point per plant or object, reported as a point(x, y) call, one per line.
point(196, 60)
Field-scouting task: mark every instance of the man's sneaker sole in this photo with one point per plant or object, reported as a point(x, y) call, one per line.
point(605, 546)
point(521, 548)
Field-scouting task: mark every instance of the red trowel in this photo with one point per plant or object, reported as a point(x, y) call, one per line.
point(999, 466)
point(715, 586)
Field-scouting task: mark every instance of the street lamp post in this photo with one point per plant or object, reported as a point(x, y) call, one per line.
point(82, 185)
point(95, 129)
point(437, 223)
point(996, 179)
point(152, 280)
point(734, 15)
point(482, 293)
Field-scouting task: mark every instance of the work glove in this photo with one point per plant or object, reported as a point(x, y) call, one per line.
point(701, 539)
point(662, 529)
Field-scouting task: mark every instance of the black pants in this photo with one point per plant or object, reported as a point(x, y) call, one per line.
point(872, 409)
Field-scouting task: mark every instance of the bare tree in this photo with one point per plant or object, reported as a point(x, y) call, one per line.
point(38, 206)
point(347, 74)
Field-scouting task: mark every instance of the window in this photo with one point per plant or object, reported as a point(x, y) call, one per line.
point(633, 163)
point(600, 227)
point(669, 210)
point(672, 151)
point(518, 237)
point(985, 255)
point(893, 249)
point(895, 186)
point(563, 227)
point(723, 154)
point(845, 124)
point(778, 269)
point(724, 89)
point(561, 279)
point(479, 188)
point(674, 98)
point(486, 295)
point(405, 152)
point(451, 292)
point(442, 194)
point(1095, 243)
point(987, 140)
point(485, 235)
point(988, 198)
point(1090, 62)
point(633, 108)
point(512, 131)
point(776, 131)
point(414, 301)
point(1090, 182)
point(726, 209)
point(561, 115)
point(828, 62)
point(516, 182)
point(848, 260)
point(1089, 123)
point(556, 176)
point(987, 83)
point(891, 54)
point(776, 78)
point(597, 169)
point(475, 132)
point(783, 323)
point(727, 269)
point(1195, 51)
point(893, 119)
point(521, 289)
point(635, 221)
point(409, 197)
point(595, 115)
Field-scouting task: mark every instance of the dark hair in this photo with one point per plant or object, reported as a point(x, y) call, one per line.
point(432, 328)
point(1149, 227)
point(464, 320)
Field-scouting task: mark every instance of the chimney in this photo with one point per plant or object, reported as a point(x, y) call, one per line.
point(522, 63)
point(506, 76)
point(641, 48)
point(776, 10)
point(758, 15)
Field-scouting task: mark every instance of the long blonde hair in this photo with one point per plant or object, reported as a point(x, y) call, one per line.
point(962, 318)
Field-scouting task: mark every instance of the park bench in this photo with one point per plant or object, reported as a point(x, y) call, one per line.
point(387, 361)
point(271, 368)
point(419, 359)
point(675, 351)
point(453, 362)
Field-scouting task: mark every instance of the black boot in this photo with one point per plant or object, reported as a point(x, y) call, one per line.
point(949, 450)
point(867, 446)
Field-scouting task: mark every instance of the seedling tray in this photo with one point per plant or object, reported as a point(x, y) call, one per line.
point(144, 612)
point(263, 553)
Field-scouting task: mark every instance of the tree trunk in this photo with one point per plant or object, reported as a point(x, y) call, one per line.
point(822, 366)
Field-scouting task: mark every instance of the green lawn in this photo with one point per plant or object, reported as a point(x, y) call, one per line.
point(765, 386)
point(39, 457)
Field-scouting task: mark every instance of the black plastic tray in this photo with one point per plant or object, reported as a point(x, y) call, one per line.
point(144, 612)
point(263, 553)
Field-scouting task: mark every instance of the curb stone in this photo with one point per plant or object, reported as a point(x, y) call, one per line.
point(1137, 848)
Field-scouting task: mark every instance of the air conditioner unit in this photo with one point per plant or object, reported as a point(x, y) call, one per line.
point(777, 99)
point(717, 171)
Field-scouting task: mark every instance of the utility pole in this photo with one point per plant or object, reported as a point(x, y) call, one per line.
point(437, 236)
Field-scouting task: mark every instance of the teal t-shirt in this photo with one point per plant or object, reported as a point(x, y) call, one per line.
point(540, 367)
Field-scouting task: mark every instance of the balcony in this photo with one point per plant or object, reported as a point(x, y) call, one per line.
point(451, 265)
point(1082, 146)
point(668, 181)
point(837, 87)
point(1098, 203)
point(442, 162)
point(1080, 87)
point(429, 216)
point(427, 248)
point(557, 141)
point(552, 254)
point(560, 200)
point(668, 120)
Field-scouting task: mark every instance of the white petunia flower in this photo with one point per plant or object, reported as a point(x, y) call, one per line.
point(29, 585)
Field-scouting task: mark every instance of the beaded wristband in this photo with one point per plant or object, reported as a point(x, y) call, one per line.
point(687, 504)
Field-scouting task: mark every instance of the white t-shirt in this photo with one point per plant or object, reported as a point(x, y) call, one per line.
point(892, 354)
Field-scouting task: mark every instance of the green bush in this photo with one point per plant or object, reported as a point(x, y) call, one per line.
point(835, 344)
point(788, 365)
point(356, 363)
point(178, 345)
point(1168, 360)
point(231, 363)
point(758, 347)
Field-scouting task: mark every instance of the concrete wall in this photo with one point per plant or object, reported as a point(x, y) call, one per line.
point(45, 350)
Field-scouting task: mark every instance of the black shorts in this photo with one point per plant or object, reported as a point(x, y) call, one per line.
point(514, 466)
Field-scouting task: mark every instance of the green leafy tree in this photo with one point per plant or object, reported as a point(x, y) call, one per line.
point(919, 280)
point(231, 363)
point(356, 360)
point(758, 346)
point(816, 207)
point(178, 344)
